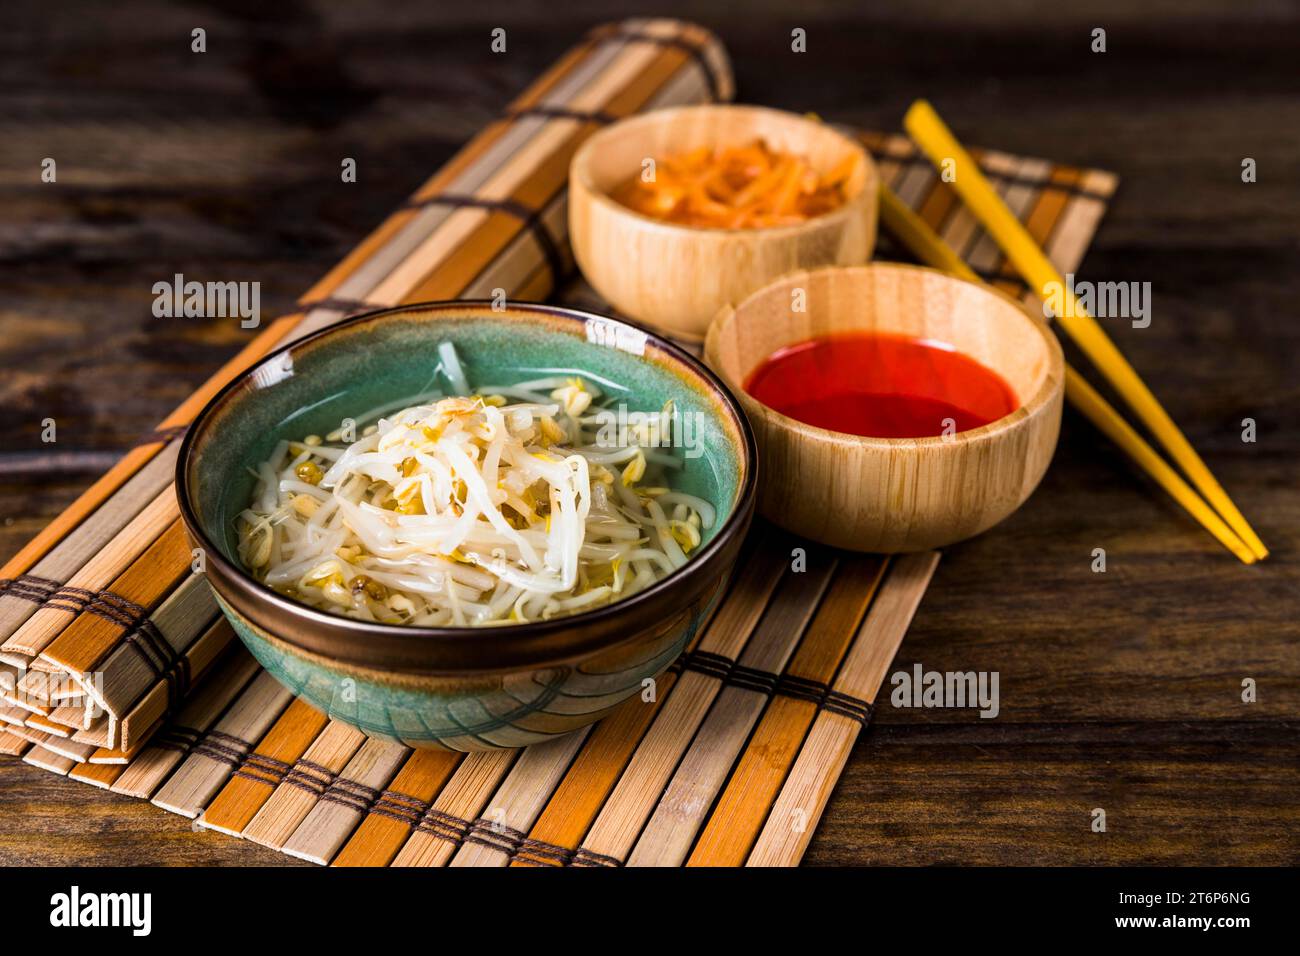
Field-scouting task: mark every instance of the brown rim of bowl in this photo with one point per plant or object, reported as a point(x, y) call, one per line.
point(579, 169)
point(1023, 410)
point(454, 649)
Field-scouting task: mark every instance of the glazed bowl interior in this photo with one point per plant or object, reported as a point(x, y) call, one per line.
point(390, 359)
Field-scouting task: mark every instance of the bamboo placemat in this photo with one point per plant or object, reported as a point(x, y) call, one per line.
point(733, 758)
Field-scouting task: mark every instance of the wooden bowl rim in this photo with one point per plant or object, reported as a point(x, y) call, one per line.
point(1053, 381)
point(580, 174)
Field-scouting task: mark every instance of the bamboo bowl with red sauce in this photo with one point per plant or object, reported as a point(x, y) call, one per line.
point(891, 494)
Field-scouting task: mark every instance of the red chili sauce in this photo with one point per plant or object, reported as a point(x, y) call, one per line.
point(881, 385)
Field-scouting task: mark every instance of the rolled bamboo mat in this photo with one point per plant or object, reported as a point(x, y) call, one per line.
point(728, 759)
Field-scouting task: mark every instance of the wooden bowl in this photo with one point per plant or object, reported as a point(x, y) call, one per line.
point(895, 495)
point(676, 277)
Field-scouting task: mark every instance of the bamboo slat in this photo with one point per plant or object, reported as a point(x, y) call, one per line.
point(587, 785)
point(29, 698)
point(28, 734)
point(312, 774)
point(633, 798)
point(38, 689)
point(444, 825)
point(44, 724)
point(167, 694)
point(102, 775)
point(44, 622)
point(263, 769)
point(78, 753)
point(1019, 194)
point(72, 715)
point(124, 755)
point(721, 739)
point(11, 745)
point(799, 806)
point(339, 809)
point(147, 772)
point(1046, 212)
point(71, 554)
point(1074, 230)
point(140, 587)
point(39, 756)
point(222, 748)
point(501, 829)
point(131, 670)
point(761, 769)
point(399, 809)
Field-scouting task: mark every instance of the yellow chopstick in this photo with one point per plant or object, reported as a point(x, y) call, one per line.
point(915, 233)
point(936, 140)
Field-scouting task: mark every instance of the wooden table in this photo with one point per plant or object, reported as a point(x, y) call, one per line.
point(1119, 690)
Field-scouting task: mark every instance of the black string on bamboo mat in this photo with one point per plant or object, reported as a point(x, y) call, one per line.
point(338, 304)
point(29, 587)
point(177, 738)
point(310, 777)
point(694, 50)
point(731, 674)
point(751, 678)
point(846, 706)
point(801, 688)
point(585, 857)
point(224, 748)
point(161, 436)
point(401, 807)
point(152, 647)
point(164, 660)
point(530, 218)
point(69, 598)
point(263, 769)
point(599, 117)
point(109, 605)
point(495, 835)
point(444, 826)
point(705, 662)
point(350, 794)
point(541, 853)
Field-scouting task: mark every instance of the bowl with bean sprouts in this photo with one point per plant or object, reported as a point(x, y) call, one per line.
point(461, 526)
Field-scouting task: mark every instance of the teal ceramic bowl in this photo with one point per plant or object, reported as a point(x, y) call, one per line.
point(462, 688)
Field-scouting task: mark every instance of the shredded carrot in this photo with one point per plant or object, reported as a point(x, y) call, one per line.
point(737, 187)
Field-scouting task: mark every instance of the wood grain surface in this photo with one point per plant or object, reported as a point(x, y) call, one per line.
point(1119, 690)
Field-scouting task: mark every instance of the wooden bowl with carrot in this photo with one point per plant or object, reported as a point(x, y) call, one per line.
point(896, 408)
point(677, 212)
